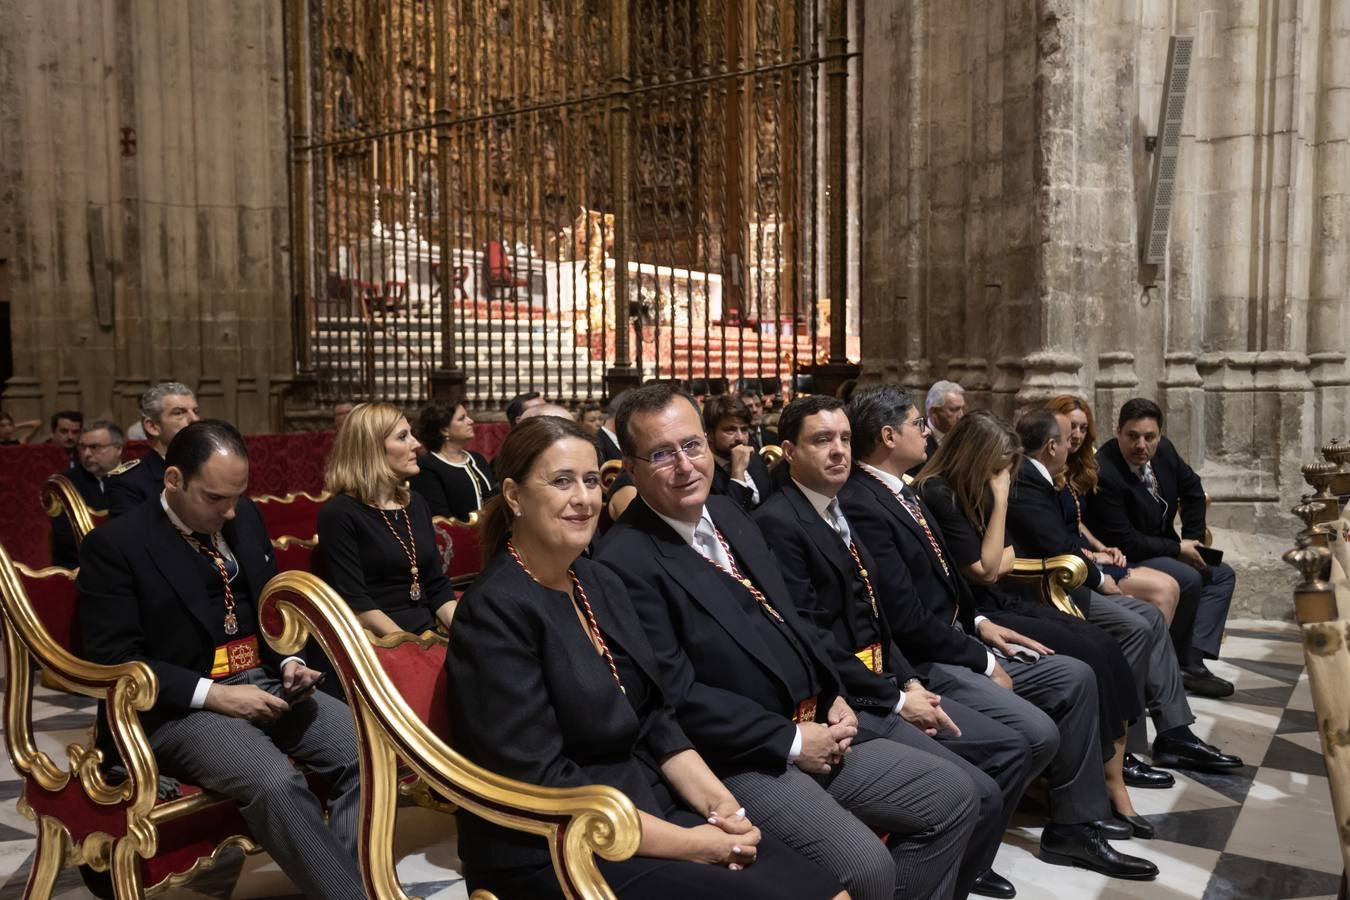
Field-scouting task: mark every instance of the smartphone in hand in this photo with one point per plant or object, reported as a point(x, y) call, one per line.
point(294, 693)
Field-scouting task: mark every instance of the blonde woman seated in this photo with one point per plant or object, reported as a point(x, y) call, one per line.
point(553, 682)
point(377, 546)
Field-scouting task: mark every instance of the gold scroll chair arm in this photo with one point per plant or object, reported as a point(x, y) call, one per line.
point(578, 823)
point(609, 473)
point(129, 688)
point(771, 454)
point(1056, 576)
point(61, 498)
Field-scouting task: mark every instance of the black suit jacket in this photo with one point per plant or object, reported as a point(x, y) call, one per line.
point(1037, 527)
point(762, 436)
point(731, 698)
point(608, 449)
point(1122, 513)
point(920, 600)
point(758, 472)
point(448, 489)
point(131, 484)
point(820, 574)
point(530, 699)
point(142, 596)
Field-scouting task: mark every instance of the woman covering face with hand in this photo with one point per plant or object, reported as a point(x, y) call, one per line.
point(552, 682)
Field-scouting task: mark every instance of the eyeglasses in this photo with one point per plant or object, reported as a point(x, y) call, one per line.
point(921, 423)
point(692, 449)
point(93, 448)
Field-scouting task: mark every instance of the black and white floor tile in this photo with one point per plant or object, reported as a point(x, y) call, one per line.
point(1265, 831)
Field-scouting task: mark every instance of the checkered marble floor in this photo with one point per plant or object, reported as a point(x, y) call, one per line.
point(1265, 831)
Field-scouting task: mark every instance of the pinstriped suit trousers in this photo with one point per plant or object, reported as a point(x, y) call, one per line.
point(927, 803)
point(252, 765)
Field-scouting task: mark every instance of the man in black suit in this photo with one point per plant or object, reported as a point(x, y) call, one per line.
point(99, 452)
point(760, 435)
point(166, 408)
point(1038, 528)
point(174, 583)
point(608, 439)
point(752, 685)
point(1142, 484)
point(835, 581)
point(929, 597)
point(739, 472)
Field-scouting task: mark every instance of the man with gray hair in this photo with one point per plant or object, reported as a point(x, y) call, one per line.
point(946, 405)
point(166, 409)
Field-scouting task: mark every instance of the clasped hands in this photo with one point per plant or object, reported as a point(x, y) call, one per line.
point(729, 837)
point(825, 743)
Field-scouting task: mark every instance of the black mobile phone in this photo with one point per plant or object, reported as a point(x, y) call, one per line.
point(1211, 556)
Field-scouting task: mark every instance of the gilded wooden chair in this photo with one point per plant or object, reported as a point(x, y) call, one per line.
point(60, 497)
point(771, 453)
point(85, 817)
point(461, 549)
point(294, 554)
point(292, 514)
point(397, 695)
point(609, 473)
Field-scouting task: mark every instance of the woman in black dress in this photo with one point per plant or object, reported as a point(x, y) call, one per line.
point(553, 682)
point(454, 480)
point(377, 546)
point(966, 484)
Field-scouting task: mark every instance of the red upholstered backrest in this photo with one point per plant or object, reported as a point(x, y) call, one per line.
point(293, 554)
point(467, 560)
point(498, 265)
point(294, 514)
point(52, 594)
point(98, 519)
point(419, 674)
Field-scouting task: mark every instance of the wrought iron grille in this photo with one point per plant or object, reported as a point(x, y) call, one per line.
point(569, 196)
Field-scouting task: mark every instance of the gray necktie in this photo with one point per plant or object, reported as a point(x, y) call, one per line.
point(1150, 481)
point(840, 523)
point(706, 543)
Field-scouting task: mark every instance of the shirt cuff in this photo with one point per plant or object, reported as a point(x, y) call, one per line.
point(282, 667)
point(1101, 577)
point(989, 666)
point(199, 695)
point(978, 620)
point(795, 750)
point(900, 704)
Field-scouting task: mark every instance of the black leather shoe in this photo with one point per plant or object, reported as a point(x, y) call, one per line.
point(1203, 683)
point(991, 884)
point(1113, 830)
point(1141, 775)
point(1083, 846)
point(1138, 825)
point(1179, 753)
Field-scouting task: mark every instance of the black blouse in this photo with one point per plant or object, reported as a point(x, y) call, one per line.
point(530, 698)
point(451, 490)
point(363, 561)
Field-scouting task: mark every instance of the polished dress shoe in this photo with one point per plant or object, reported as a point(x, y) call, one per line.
point(1138, 825)
point(1140, 774)
point(1203, 683)
point(1192, 753)
point(991, 884)
point(1113, 830)
point(1083, 846)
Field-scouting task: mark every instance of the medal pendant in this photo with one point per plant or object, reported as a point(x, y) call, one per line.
point(231, 624)
point(745, 583)
point(413, 572)
point(415, 592)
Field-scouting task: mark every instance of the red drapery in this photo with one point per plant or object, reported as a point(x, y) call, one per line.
point(278, 464)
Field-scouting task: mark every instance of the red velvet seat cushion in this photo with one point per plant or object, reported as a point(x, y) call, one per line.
point(300, 517)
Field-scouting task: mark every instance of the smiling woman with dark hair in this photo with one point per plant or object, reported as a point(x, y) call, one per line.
point(553, 682)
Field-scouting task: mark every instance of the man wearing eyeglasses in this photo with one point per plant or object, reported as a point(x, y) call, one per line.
point(752, 685)
point(98, 451)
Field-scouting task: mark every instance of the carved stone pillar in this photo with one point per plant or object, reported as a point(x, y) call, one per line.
point(68, 394)
point(1117, 382)
point(24, 399)
point(1007, 381)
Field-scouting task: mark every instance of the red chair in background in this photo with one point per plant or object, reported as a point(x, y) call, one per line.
point(293, 514)
point(294, 554)
point(461, 549)
point(499, 273)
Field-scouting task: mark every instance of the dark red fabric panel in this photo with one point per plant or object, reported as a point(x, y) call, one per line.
point(419, 674)
point(54, 600)
point(488, 437)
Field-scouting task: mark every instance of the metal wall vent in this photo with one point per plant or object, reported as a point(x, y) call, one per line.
point(1158, 214)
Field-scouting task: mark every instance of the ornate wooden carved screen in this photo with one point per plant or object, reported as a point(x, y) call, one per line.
point(568, 196)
